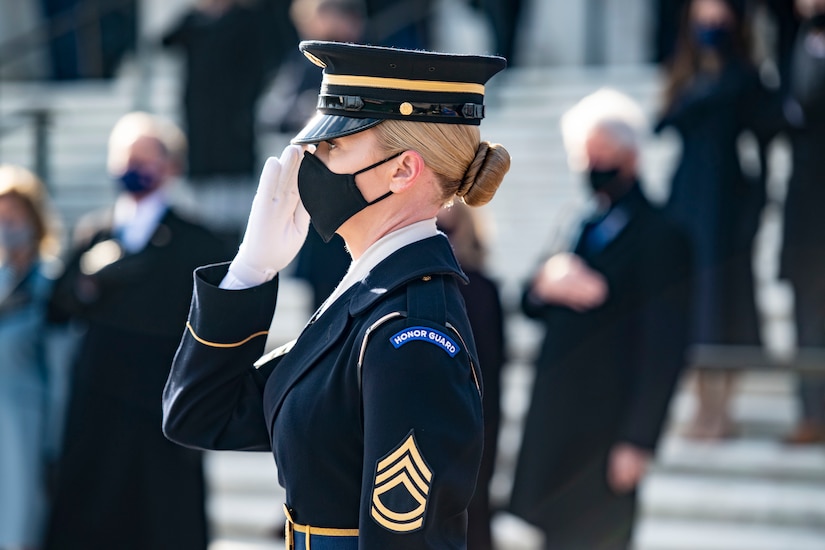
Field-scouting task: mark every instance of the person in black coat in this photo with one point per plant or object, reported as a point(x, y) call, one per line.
point(803, 241)
point(400, 23)
point(615, 309)
point(714, 97)
point(505, 21)
point(224, 74)
point(463, 226)
point(128, 283)
point(374, 412)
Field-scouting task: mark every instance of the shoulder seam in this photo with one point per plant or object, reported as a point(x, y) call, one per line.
point(369, 331)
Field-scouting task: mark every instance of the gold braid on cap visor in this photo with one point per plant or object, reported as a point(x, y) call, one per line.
point(399, 84)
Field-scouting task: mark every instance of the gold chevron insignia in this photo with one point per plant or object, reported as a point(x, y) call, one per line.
point(401, 487)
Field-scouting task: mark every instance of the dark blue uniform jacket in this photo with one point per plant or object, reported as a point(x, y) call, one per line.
point(373, 414)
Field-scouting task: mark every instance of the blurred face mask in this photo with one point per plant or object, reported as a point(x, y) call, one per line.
point(601, 180)
point(331, 199)
point(138, 181)
point(713, 37)
point(608, 182)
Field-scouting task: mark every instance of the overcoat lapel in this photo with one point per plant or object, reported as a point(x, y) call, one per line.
point(314, 341)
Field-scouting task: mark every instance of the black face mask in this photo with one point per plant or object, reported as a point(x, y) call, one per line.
point(602, 180)
point(330, 198)
point(817, 21)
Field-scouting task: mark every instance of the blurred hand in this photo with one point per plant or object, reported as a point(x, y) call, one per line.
point(565, 279)
point(626, 466)
point(278, 222)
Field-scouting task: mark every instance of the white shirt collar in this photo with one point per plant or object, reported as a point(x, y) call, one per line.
point(378, 252)
point(135, 221)
point(360, 268)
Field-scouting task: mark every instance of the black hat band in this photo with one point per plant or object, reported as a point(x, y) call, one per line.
point(370, 107)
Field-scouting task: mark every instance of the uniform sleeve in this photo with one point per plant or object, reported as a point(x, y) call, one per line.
point(422, 437)
point(662, 339)
point(213, 397)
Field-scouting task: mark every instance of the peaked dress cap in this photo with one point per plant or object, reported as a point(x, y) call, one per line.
point(363, 85)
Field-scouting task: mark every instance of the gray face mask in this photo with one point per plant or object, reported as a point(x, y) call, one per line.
point(15, 238)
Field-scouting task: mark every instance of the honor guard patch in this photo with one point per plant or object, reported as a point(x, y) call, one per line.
point(401, 487)
point(425, 334)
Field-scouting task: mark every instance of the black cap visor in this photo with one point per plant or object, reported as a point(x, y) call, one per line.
point(323, 127)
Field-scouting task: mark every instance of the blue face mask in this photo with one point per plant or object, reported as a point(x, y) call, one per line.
point(713, 37)
point(137, 181)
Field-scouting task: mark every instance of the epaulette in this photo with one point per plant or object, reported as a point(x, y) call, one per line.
point(426, 301)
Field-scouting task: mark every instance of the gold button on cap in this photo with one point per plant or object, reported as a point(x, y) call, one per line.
point(406, 108)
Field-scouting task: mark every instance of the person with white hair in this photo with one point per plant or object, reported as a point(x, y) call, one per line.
point(128, 283)
point(614, 303)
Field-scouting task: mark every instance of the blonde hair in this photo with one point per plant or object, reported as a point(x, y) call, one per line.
point(135, 125)
point(467, 167)
point(20, 183)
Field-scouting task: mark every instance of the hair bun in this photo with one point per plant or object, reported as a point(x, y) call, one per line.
point(473, 169)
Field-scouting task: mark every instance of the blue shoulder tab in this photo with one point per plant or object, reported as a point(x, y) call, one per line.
point(425, 334)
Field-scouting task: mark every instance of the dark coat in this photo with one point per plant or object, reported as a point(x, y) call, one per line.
point(121, 483)
point(602, 377)
point(388, 373)
point(803, 240)
point(484, 310)
point(224, 75)
point(716, 205)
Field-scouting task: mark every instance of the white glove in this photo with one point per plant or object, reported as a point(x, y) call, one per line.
point(278, 221)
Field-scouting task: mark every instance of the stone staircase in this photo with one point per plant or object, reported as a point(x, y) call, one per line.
point(748, 493)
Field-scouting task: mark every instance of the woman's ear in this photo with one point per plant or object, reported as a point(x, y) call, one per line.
point(406, 171)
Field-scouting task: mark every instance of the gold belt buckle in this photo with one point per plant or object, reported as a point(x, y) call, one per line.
point(289, 531)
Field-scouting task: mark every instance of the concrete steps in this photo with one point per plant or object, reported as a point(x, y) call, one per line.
point(743, 500)
point(711, 535)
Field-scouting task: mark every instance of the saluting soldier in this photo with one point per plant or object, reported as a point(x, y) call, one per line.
point(373, 413)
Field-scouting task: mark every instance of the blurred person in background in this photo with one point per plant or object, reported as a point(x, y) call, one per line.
point(225, 64)
point(89, 39)
point(785, 20)
point(292, 97)
point(666, 15)
point(466, 232)
point(713, 97)
point(400, 23)
point(504, 17)
point(128, 283)
point(26, 241)
point(803, 243)
point(615, 308)
point(291, 102)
